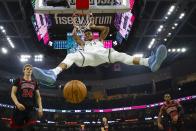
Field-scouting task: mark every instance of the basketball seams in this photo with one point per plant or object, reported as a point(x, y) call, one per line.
point(74, 91)
point(84, 90)
point(79, 92)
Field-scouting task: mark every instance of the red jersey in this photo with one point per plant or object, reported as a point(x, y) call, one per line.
point(105, 126)
point(26, 92)
point(171, 108)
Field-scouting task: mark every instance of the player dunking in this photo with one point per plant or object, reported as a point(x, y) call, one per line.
point(173, 111)
point(24, 94)
point(94, 54)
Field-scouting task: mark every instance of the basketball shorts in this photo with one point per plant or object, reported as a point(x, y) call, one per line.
point(24, 118)
point(94, 58)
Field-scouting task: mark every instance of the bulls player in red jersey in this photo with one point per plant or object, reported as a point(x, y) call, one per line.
point(82, 127)
point(104, 124)
point(173, 110)
point(25, 93)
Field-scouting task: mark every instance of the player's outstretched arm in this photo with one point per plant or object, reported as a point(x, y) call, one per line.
point(39, 102)
point(180, 109)
point(104, 31)
point(77, 38)
point(15, 100)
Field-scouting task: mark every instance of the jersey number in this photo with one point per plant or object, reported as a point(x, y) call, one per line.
point(27, 93)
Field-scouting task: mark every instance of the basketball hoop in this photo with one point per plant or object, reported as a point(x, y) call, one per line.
point(82, 21)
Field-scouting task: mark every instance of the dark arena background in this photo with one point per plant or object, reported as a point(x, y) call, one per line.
point(130, 97)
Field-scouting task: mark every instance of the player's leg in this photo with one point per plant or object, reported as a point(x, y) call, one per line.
point(17, 121)
point(179, 126)
point(49, 76)
point(127, 59)
point(153, 62)
point(30, 119)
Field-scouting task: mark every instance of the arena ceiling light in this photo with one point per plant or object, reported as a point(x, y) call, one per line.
point(4, 50)
point(171, 9)
point(181, 15)
point(178, 50)
point(160, 28)
point(174, 50)
point(166, 17)
point(138, 55)
point(3, 31)
point(173, 27)
point(175, 24)
point(169, 34)
point(38, 58)
point(1, 27)
point(10, 42)
point(8, 38)
point(25, 58)
point(151, 43)
point(183, 50)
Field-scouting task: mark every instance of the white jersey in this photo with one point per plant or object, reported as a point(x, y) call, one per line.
point(95, 52)
point(94, 45)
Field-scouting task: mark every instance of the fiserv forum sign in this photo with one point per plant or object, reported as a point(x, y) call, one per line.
point(62, 23)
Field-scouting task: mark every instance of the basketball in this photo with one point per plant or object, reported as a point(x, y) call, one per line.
point(74, 91)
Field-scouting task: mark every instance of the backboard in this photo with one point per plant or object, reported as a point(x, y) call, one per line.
point(96, 6)
point(116, 15)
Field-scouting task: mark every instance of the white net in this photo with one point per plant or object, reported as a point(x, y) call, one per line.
point(82, 21)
